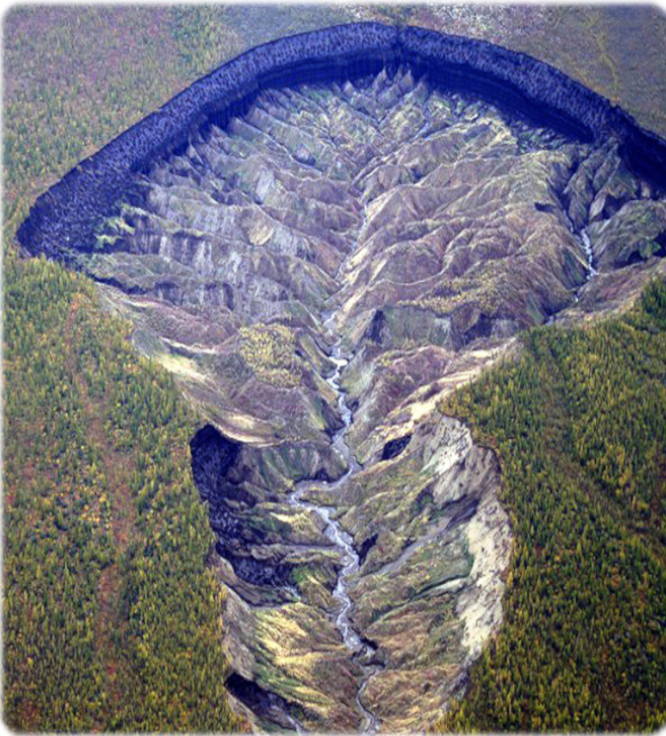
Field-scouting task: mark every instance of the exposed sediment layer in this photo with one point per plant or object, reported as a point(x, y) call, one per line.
point(65, 217)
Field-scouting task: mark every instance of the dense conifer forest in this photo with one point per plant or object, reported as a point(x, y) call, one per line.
point(109, 611)
point(110, 614)
point(579, 424)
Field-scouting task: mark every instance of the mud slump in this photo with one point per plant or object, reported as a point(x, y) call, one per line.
point(381, 241)
point(319, 272)
point(319, 268)
point(353, 636)
point(353, 587)
point(452, 499)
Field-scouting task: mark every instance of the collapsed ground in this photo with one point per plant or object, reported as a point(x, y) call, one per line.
point(434, 228)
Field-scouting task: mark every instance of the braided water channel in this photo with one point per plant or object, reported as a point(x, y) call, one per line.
point(343, 542)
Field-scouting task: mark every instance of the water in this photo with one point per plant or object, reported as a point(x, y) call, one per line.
point(295, 725)
point(587, 247)
point(342, 541)
point(583, 240)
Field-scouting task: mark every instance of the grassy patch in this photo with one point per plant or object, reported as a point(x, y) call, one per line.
point(268, 350)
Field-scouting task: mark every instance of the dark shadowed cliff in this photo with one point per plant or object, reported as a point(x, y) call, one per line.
point(66, 216)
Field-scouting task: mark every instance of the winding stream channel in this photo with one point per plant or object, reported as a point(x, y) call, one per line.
point(586, 246)
point(342, 541)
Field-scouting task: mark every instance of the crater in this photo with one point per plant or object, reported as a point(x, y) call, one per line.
point(321, 240)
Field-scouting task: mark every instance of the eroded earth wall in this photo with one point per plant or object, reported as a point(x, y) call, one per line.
point(320, 240)
point(65, 217)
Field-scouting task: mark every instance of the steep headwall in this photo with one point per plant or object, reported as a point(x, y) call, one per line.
point(63, 220)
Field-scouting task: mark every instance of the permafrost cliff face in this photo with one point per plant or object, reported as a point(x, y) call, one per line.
point(66, 216)
point(320, 240)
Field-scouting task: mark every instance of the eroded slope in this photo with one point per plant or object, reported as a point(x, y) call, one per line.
point(463, 225)
point(425, 229)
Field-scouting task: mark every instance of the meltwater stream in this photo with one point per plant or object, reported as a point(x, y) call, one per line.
point(340, 538)
point(583, 240)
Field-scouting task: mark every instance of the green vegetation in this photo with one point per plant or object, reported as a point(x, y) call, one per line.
point(203, 39)
point(616, 51)
point(112, 620)
point(110, 616)
point(268, 350)
point(579, 424)
point(76, 77)
point(398, 14)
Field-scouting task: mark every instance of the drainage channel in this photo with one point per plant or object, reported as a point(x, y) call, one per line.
point(350, 560)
